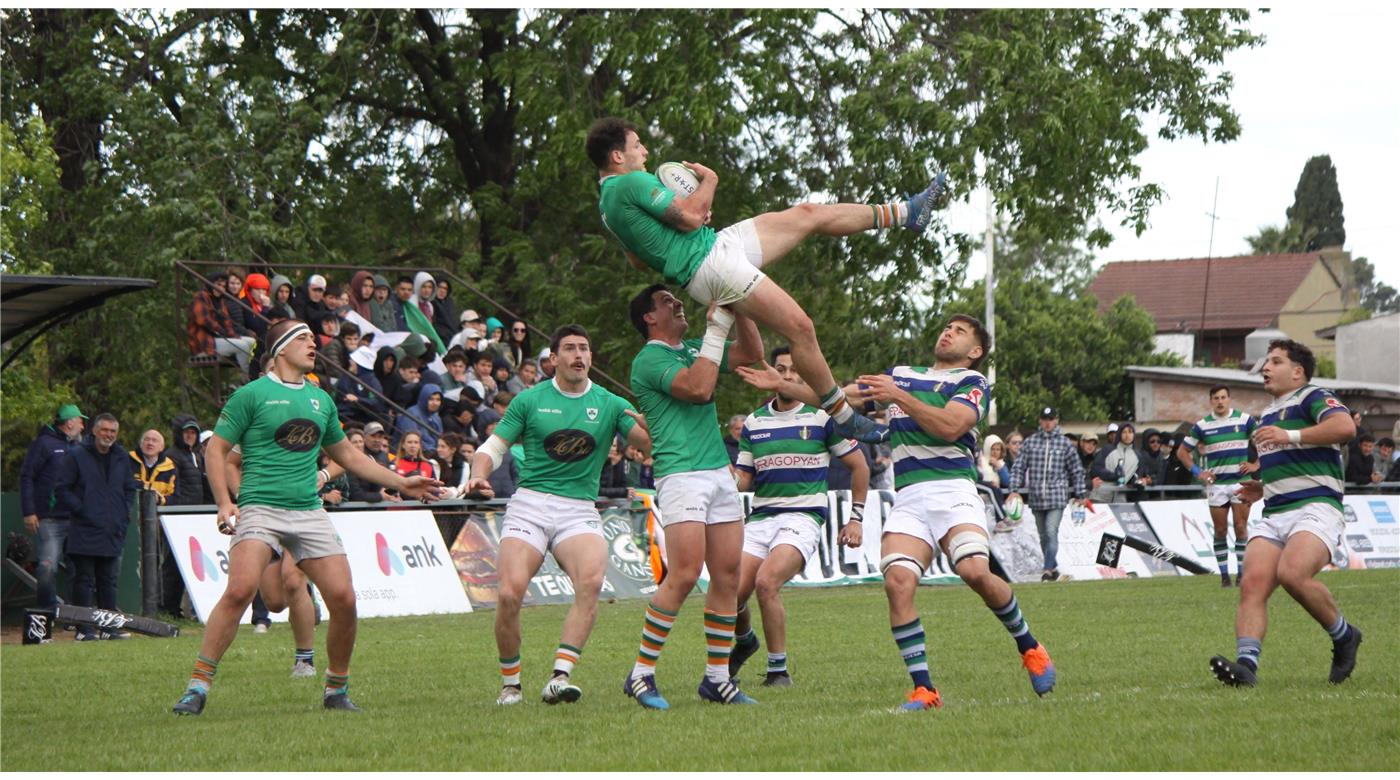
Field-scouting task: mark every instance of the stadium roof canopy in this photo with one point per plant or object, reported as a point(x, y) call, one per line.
point(31, 305)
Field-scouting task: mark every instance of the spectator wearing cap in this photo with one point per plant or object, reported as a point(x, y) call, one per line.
point(525, 377)
point(357, 396)
point(97, 487)
point(473, 332)
point(1049, 473)
point(211, 330)
point(1088, 449)
point(37, 478)
point(310, 301)
point(383, 311)
point(1155, 455)
point(362, 490)
point(1111, 437)
point(377, 444)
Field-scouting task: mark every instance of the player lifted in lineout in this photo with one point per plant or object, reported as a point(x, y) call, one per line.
point(567, 426)
point(785, 449)
point(670, 234)
point(281, 422)
point(933, 414)
point(1300, 464)
point(1223, 438)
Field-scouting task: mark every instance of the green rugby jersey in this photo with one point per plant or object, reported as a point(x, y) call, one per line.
point(280, 430)
point(919, 456)
point(632, 205)
point(789, 453)
point(1299, 474)
point(566, 437)
point(1225, 442)
point(684, 436)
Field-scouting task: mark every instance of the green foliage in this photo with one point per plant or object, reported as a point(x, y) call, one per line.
point(1058, 350)
point(1274, 240)
point(1375, 296)
point(1326, 367)
point(426, 138)
point(28, 178)
point(1317, 204)
point(30, 400)
point(1138, 682)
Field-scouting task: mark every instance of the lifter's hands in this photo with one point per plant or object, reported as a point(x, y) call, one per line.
point(762, 376)
point(228, 518)
point(421, 487)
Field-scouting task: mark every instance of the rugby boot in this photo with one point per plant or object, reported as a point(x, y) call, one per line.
point(1233, 673)
point(922, 699)
point(723, 693)
point(1344, 657)
point(922, 206)
point(191, 703)
point(560, 689)
point(643, 689)
point(1041, 669)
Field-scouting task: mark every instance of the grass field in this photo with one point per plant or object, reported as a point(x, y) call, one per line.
point(1134, 693)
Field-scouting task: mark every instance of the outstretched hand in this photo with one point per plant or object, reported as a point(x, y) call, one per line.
point(421, 487)
point(879, 388)
point(476, 486)
point(762, 376)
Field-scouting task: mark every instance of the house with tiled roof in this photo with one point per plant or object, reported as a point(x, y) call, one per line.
point(1206, 307)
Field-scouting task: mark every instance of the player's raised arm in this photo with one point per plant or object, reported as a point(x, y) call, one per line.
point(687, 214)
point(696, 383)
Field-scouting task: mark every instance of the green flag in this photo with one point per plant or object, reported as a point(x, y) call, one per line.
point(418, 323)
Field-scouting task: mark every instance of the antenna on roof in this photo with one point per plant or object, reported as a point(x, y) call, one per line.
point(1210, 250)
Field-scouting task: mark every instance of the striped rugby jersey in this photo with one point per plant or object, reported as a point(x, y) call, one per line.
point(919, 456)
point(788, 453)
point(1225, 441)
point(1298, 474)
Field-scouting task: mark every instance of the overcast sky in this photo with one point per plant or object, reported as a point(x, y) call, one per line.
point(1324, 82)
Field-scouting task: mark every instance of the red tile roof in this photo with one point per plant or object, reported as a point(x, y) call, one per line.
point(1245, 293)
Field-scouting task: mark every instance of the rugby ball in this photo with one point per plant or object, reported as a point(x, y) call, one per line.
point(1014, 507)
point(678, 179)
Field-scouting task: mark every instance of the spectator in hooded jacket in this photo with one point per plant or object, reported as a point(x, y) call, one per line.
point(309, 301)
point(362, 293)
point(282, 289)
point(429, 421)
point(191, 488)
point(97, 486)
point(42, 515)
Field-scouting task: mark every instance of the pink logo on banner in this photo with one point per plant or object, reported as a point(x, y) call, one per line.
point(201, 563)
point(388, 559)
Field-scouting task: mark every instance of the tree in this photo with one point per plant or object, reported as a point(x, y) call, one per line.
point(1317, 205)
point(1275, 240)
point(1056, 350)
point(1376, 296)
point(422, 138)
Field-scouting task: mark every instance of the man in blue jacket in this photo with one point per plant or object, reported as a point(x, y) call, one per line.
point(95, 489)
point(36, 482)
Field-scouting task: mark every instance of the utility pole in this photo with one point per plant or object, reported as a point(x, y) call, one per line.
point(991, 305)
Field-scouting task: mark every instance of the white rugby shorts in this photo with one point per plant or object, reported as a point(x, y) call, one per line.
point(929, 510)
point(1321, 520)
point(305, 534)
point(708, 497)
point(790, 528)
point(543, 520)
point(732, 268)
point(1221, 495)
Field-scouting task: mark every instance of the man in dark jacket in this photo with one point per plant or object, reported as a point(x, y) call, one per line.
point(42, 516)
point(191, 487)
point(96, 486)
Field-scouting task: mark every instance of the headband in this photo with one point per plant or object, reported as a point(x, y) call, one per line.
point(286, 338)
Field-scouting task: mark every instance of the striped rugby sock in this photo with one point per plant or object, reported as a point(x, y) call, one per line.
point(1239, 558)
point(1222, 555)
point(510, 671)
point(305, 654)
point(655, 628)
point(777, 662)
point(337, 683)
point(910, 639)
point(1247, 648)
point(1010, 616)
point(203, 675)
point(887, 215)
point(1340, 629)
point(719, 642)
point(564, 659)
point(834, 404)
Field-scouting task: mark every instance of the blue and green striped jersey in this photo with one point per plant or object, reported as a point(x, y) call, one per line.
point(919, 456)
point(1225, 442)
point(1298, 474)
point(789, 453)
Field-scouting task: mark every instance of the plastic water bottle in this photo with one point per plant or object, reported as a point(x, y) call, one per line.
point(1078, 514)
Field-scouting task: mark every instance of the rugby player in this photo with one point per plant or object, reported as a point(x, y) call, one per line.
point(933, 413)
point(567, 425)
point(785, 448)
point(671, 235)
point(1300, 463)
point(1223, 439)
point(674, 379)
point(280, 422)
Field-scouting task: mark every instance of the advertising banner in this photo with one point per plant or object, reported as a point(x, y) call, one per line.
point(397, 559)
point(1185, 527)
point(1372, 535)
point(1080, 533)
point(1134, 524)
point(477, 545)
